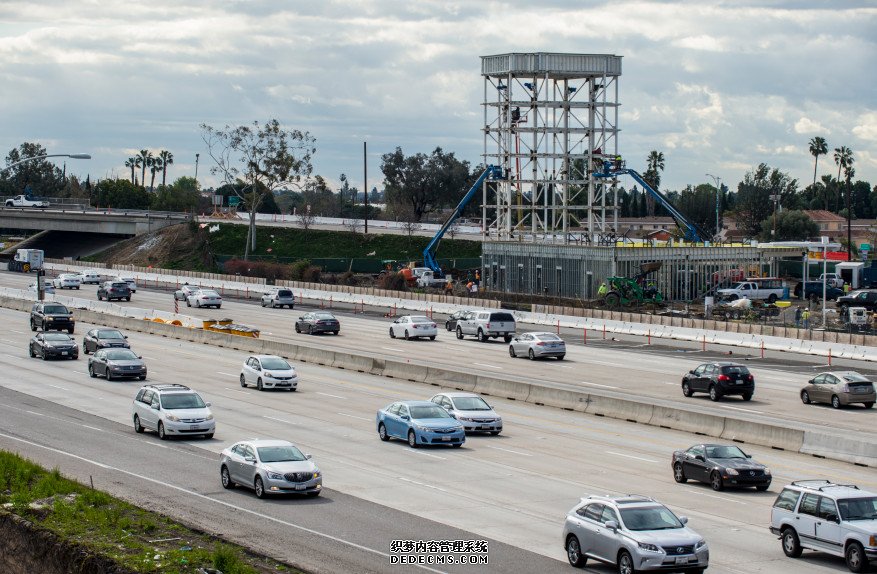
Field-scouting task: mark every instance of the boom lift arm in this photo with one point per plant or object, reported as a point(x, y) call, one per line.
point(692, 231)
point(429, 260)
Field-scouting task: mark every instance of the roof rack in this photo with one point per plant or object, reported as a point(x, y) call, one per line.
point(820, 485)
point(168, 386)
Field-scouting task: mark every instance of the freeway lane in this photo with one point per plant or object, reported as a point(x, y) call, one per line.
point(623, 367)
point(512, 489)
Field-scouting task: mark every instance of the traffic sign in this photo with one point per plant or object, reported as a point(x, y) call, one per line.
point(865, 247)
point(233, 200)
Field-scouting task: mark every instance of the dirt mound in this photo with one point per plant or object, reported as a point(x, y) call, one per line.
point(175, 247)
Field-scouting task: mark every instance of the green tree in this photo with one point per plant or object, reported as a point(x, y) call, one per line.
point(818, 147)
point(144, 160)
point(167, 158)
point(38, 177)
point(120, 194)
point(424, 182)
point(753, 201)
point(181, 195)
point(699, 206)
point(261, 157)
point(652, 176)
point(791, 225)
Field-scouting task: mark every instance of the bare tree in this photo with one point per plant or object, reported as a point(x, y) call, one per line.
point(407, 217)
point(258, 159)
point(306, 219)
point(353, 225)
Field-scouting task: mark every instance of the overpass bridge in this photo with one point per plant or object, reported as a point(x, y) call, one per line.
point(108, 222)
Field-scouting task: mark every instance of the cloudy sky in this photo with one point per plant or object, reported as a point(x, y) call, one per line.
point(718, 87)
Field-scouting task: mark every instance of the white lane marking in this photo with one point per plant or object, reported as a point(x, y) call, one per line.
point(403, 479)
point(508, 450)
point(236, 390)
point(214, 500)
point(279, 420)
point(328, 395)
point(565, 367)
point(35, 413)
point(354, 417)
point(598, 385)
point(744, 410)
point(57, 387)
point(486, 365)
point(642, 458)
point(226, 374)
point(390, 348)
point(10, 342)
point(92, 428)
point(719, 497)
point(421, 453)
point(14, 331)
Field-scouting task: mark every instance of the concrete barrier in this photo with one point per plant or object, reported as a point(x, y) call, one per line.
point(688, 421)
point(358, 363)
point(462, 381)
point(626, 409)
point(559, 398)
point(849, 447)
point(314, 355)
point(494, 387)
point(764, 434)
point(405, 370)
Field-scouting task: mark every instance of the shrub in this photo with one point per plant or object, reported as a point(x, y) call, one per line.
point(347, 278)
point(297, 269)
point(392, 281)
point(311, 274)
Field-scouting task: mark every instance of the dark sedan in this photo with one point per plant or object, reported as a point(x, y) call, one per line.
point(53, 346)
point(317, 322)
point(104, 339)
point(451, 322)
point(116, 363)
point(719, 380)
point(721, 466)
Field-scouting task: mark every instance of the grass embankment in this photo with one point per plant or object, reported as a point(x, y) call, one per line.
point(136, 539)
point(292, 244)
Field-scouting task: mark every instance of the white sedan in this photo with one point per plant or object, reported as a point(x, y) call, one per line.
point(413, 327)
point(268, 372)
point(89, 276)
point(204, 298)
point(67, 281)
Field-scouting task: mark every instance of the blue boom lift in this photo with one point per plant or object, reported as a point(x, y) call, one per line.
point(691, 231)
point(491, 172)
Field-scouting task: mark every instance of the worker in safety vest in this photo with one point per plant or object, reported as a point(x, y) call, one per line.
point(618, 162)
point(601, 292)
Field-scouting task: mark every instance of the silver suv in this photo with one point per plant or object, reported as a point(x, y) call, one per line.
point(633, 533)
point(837, 519)
point(279, 298)
point(486, 325)
point(171, 409)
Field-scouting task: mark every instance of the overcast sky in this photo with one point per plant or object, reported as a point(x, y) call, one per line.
point(718, 87)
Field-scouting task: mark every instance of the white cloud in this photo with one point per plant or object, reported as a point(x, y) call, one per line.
point(867, 127)
point(808, 126)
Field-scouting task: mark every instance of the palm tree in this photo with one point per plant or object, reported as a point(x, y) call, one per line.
point(167, 158)
point(842, 157)
point(145, 157)
point(655, 165)
point(131, 162)
point(154, 167)
point(818, 147)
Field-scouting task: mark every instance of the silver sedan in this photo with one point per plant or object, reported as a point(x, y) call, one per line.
point(269, 467)
point(537, 345)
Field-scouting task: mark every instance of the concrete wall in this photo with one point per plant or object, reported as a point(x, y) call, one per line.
point(109, 222)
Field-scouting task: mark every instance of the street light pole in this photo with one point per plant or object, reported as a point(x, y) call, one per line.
point(44, 156)
point(197, 155)
point(718, 182)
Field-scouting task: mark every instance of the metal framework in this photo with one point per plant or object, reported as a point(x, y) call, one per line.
point(549, 121)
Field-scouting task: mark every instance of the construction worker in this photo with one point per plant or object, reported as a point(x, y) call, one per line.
point(602, 290)
point(798, 313)
point(805, 317)
point(449, 286)
point(618, 162)
point(469, 286)
point(478, 277)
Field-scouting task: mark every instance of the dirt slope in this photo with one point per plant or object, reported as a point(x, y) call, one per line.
point(176, 247)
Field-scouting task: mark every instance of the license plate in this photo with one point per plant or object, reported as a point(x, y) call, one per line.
point(193, 427)
point(64, 353)
point(300, 486)
point(446, 438)
point(739, 383)
point(485, 427)
point(682, 559)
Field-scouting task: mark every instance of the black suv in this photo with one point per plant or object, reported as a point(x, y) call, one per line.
point(51, 317)
point(110, 290)
point(719, 380)
point(861, 298)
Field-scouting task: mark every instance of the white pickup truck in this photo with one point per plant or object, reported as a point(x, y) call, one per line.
point(22, 201)
point(769, 290)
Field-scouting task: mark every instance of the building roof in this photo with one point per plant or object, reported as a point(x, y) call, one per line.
point(823, 215)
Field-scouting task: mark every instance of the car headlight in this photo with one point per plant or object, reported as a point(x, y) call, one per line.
point(648, 547)
point(317, 473)
point(464, 419)
point(269, 376)
point(173, 418)
point(210, 417)
point(873, 540)
point(767, 471)
point(275, 475)
point(700, 544)
point(425, 429)
point(731, 472)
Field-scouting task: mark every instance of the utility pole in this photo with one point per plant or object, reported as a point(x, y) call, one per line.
point(365, 182)
point(197, 155)
point(849, 215)
point(718, 182)
point(776, 199)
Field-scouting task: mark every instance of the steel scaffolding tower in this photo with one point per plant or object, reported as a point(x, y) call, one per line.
point(549, 122)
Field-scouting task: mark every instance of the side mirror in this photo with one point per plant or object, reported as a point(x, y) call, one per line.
point(307, 456)
point(691, 372)
point(699, 457)
point(126, 336)
point(139, 357)
point(250, 458)
point(207, 404)
point(683, 519)
point(611, 525)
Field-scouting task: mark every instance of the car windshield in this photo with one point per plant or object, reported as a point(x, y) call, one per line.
point(110, 334)
point(56, 337)
point(654, 518)
point(121, 355)
point(55, 309)
point(275, 364)
point(420, 319)
point(324, 316)
point(209, 293)
point(429, 412)
point(548, 337)
point(280, 454)
point(724, 452)
point(855, 378)
point(471, 404)
point(182, 401)
point(858, 508)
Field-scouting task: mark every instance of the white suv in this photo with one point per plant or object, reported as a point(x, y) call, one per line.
point(837, 519)
point(171, 409)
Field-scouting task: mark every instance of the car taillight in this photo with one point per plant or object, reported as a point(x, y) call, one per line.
point(724, 378)
point(488, 325)
point(415, 326)
point(432, 326)
point(540, 344)
point(749, 378)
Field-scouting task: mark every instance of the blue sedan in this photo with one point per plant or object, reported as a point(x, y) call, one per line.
point(419, 422)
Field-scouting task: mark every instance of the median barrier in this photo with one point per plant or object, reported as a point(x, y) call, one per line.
point(313, 355)
point(625, 409)
point(849, 447)
point(405, 370)
point(514, 390)
point(358, 363)
point(453, 379)
point(560, 398)
point(688, 421)
point(772, 435)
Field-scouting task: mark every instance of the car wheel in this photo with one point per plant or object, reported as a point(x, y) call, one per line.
point(84, 348)
point(447, 326)
point(481, 336)
point(161, 433)
point(686, 389)
point(128, 298)
point(560, 357)
point(715, 394)
point(835, 402)
point(43, 355)
point(432, 337)
point(208, 435)
point(382, 432)
point(30, 352)
point(297, 328)
point(574, 552)
point(188, 304)
point(392, 334)
point(33, 326)
point(108, 374)
point(243, 381)
point(805, 397)
point(412, 439)
point(70, 330)
point(407, 337)
point(791, 543)
point(91, 372)
point(336, 333)
point(225, 478)
point(512, 352)
point(531, 355)
point(459, 333)
point(868, 405)
point(716, 481)
point(625, 563)
point(141, 377)
point(747, 396)
point(259, 384)
point(138, 428)
point(259, 487)
point(273, 305)
point(679, 474)
point(99, 298)
point(772, 298)
point(856, 559)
